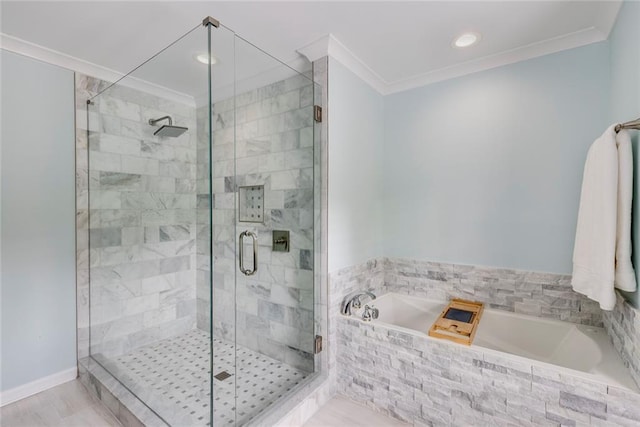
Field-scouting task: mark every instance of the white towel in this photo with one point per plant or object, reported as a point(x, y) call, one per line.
point(625, 276)
point(604, 212)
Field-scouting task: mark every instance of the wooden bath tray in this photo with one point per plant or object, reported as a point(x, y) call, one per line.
point(458, 321)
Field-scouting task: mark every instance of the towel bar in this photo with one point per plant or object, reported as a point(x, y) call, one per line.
point(635, 124)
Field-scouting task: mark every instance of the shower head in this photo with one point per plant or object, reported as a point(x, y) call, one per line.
point(170, 131)
point(167, 130)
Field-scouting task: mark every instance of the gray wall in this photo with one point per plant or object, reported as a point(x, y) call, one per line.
point(356, 169)
point(38, 221)
point(625, 102)
point(486, 169)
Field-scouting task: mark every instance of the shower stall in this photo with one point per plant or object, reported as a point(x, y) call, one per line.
point(203, 229)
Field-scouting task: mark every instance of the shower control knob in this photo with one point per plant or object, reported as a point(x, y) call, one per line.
point(375, 313)
point(370, 312)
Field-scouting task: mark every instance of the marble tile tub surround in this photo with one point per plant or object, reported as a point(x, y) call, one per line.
point(537, 294)
point(369, 276)
point(546, 295)
point(141, 225)
point(427, 392)
point(428, 382)
point(271, 312)
point(623, 326)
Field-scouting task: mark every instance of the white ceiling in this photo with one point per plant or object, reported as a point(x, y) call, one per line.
point(392, 45)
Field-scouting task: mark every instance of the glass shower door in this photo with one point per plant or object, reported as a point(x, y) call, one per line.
point(149, 257)
point(274, 228)
point(262, 216)
point(201, 228)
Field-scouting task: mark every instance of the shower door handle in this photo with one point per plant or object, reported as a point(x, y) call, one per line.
point(255, 252)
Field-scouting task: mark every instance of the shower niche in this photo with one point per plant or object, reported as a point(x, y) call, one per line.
point(251, 203)
point(168, 308)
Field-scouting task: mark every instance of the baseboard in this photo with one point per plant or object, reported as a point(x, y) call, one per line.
point(34, 387)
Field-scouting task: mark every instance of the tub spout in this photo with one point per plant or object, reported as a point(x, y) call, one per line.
point(352, 301)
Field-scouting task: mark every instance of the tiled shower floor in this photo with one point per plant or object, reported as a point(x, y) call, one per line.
point(172, 378)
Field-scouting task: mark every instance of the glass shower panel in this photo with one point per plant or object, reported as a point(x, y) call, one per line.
point(217, 199)
point(149, 216)
point(274, 228)
point(202, 168)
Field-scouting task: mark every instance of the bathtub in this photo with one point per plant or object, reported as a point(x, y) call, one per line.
point(585, 350)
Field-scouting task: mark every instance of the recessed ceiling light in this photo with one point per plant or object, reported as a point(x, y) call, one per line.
point(466, 40)
point(204, 58)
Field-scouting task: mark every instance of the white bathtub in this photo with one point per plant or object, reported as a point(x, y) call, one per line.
point(585, 349)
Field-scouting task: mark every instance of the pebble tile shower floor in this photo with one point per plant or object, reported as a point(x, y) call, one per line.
point(172, 377)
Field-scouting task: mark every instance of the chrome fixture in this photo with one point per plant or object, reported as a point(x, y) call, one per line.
point(635, 124)
point(352, 301)
point(370, 312)
point(167, 130)
point(280, 241)
point(317, 113)
point(253, 236)
point(210, 21)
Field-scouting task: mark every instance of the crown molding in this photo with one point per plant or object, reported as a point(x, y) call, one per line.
point(534, 50)
point(331, 46)
point(41, 53)
point(328, 45)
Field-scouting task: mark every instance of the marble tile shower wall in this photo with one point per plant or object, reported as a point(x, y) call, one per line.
point(271, 312)
point(136, 207)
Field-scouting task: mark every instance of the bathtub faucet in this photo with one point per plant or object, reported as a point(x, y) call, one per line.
point(370, 312)
point(352, 301)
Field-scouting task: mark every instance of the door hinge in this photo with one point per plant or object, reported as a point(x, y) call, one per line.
point(318, 344)
point(317, 113)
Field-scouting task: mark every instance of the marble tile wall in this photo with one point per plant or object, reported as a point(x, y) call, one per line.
point(272, 311)
point(366, 276)
point(136, 219)
point(537, 294)
point(127, 408)
point(428, 382)
point(359, 363)
point(423, 384)
point(623, 326)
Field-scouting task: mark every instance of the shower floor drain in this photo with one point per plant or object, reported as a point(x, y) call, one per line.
point(222, 376)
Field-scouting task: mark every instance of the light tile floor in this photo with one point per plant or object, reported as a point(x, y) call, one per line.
point(68, 404)
point(71, 405)
point(340, 411)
